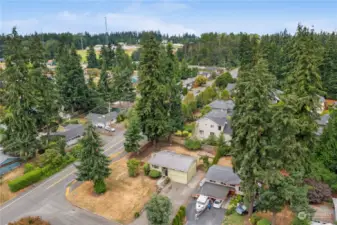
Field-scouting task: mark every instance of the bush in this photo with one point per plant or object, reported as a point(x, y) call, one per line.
point(200, 80)
point(76, 150)
point(52, 158)
point(133, 167)
point(318, 191)
point(30, 221)
point(99, 187)
point(297, 221)
point(189, 127)
point(206, 109)
point(154, 174)
point(192, 144)
point(230, 211)
point(185, 91)
point(183, 210)
point(120, 118)
point(146, 169)
point(179, 133)
point(211, 140)
point(137, 214)
point(254, 219)
point(263, 222)
point(185, 133)
point(25, 180)
point(234, 201)
point(28, 167)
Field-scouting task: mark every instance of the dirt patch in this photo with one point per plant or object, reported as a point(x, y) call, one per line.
point(284, 217)
point(5, 193)
point(225, 161)
point(124, 197)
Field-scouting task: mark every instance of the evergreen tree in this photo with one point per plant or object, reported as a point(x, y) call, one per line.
point(103, 85)
point(151, 109)
point(122, 86)
point(158, 210)
point(132, 134)
point(250, 124)
point(70, 79)
point(91, 58)
point(20, 137)
point(94, 165)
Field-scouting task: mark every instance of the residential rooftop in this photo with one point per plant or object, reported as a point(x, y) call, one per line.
point(218, 116)
point(222, 105)
point(223, 174)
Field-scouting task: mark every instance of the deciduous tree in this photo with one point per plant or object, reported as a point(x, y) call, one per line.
point(158, 210)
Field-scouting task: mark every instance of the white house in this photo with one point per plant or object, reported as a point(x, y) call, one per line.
point(102, 120)
point(214, 123)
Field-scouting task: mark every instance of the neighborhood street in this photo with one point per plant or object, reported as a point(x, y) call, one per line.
point(48, 200)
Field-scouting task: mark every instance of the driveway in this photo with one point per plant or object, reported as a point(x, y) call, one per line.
point(211, 217)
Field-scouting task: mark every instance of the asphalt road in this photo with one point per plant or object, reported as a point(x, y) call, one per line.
point(48, 200)
point(208, 217)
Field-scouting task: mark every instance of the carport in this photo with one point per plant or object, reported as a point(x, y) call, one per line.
point(214, 191)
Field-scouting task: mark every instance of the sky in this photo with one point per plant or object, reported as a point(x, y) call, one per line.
point(168, 16)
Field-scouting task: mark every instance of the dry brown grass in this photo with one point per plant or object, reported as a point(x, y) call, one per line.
point(124, 197)
point(284, 217)
point(5, 193)
point(225, 161)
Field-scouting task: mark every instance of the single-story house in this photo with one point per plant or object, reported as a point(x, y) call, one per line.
point(7, 163)
point(322, 122)
point(72, 133)
point(179, 168)
point(226, 106)
point(214, 123)
point(188, 83)
point(230, 88)
point(102, 120)
point(219, 181)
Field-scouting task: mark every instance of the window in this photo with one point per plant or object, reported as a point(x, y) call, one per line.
point(212, 126)
point(154, 166)
point(201, 132)
point(212, 181)
point(219, 127)
point(211, 133)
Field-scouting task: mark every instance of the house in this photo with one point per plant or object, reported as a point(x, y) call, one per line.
point(2, 60)
point(322, 122)
point(219, 181)
point(230, 88)
point(102, 120)
point(226, 106)
point(188, 83)
point(179, 168)
point(72, 133)
point(7, 163)
point(215, 123)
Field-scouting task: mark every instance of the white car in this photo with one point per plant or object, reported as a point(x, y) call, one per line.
point(202, 203)
point(110, 129)
point(217, 203)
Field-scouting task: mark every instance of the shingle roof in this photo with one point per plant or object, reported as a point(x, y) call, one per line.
point(188, 81)
point(71, 131)
point(324, 120)
point(221, 104)
point(222, 174)
point(219, 117)
point(230, 87)
point(100, 118)
point(228, 128)
point(214, 190)
point(172, 160)
point(5, 158)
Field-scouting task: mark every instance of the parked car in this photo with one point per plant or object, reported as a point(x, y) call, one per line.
point(241, 209)
point(111, 129)
point(202, 203)
point(217, 203)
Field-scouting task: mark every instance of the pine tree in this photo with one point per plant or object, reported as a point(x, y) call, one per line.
point(151, 108)
point(122, 86)
point(94, 165)
point(74, 94)
point(132, 135)
point(91, 58)
point(250, 124)
point(103, 85)
point(20, 137)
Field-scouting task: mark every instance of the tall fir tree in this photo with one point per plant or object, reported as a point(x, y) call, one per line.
point(103, 85)
point(133, 134)
point(122, 87)
point(20, 137)
point(92, 58)
point(151, 109)
point(94, 165)
point(74, 94)
point(250, 125)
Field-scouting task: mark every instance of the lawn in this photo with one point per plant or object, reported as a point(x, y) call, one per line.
point(234, 219)
point(83, 54)
point(5, 193)
point(125, 195)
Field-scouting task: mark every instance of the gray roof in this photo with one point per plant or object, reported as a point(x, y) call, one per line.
point(100, 118)
point(235, 73)
point(211, 68)
point(219, 117)
point(324, 120)
point(230, 87)
point(214, 190)
point(228, 128)
point(71, 131)
point(223, 105)
point(172, 160)
point(188, 81)
point(4, 157)
point(222, 174)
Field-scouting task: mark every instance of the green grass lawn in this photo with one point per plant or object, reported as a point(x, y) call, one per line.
point(234, 219)
point(83, 54)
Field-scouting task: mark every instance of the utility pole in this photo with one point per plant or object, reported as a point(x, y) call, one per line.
point(106, 31)
point(82, 41)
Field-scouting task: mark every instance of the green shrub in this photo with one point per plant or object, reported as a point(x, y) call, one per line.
point(234, 201)
point(297, 221)
point(28, 167)
point(185, 133)
point(154, 174)
point(76, 150)
point(192, 144)
point(230, 211)
point(137, 214)
point(254, 219)
point(263, 222)
point(179, 133)
point(120, 118)
point(189, 127)
point(146, 169)
point(211, 140)
point(99, 187)
point(133, 167)
point(183, 210)
point(25, 180)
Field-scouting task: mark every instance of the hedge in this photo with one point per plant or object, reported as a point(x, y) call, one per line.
point(25, 180)
point(146, 169)
point(180, 216)
point(154, 174)
point(192, 144)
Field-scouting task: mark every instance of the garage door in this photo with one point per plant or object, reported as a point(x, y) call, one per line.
point(177, 176)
